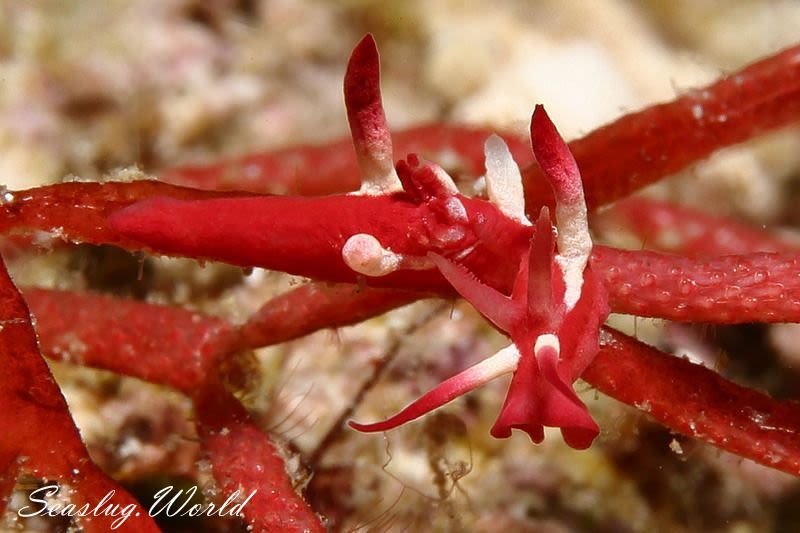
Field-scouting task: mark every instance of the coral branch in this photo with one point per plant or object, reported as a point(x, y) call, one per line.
point(156, 343)
point(641, 148)
point(38, 435)
point(180, 349)
point(759, 287)
point(680, 230)
point(622, 366)
point(315, 306)
point(244, 459)
point(78, 212)
point(697, 402)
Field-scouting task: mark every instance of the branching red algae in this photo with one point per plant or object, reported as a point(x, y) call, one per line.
point(46, 444)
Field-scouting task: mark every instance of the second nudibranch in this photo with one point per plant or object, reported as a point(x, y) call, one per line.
point(409, 227)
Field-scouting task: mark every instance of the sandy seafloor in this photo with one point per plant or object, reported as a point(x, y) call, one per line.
point(88, 88)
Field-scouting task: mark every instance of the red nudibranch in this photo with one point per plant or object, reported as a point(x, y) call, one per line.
point(555, 309)
point(409, 227)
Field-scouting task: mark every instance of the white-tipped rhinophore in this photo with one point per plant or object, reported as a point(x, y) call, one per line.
point(504, 181)
point(574, 241)
point(370, 132)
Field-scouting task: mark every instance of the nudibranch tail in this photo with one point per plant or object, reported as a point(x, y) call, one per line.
point(522, 406)
point(368, 127)
point(561, 407)
point(539, 396)
point(503, 362)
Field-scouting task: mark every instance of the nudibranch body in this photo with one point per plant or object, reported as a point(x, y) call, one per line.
point(556, 306)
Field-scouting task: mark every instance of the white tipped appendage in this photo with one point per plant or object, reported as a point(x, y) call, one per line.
point(503, 362)
point(574, 241)
point(547, 340)
point(364, 254)
point(504, 181)
point(370, 132)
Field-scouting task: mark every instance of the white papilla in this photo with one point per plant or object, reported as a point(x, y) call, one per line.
point(504, 181)
point(364, 254)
